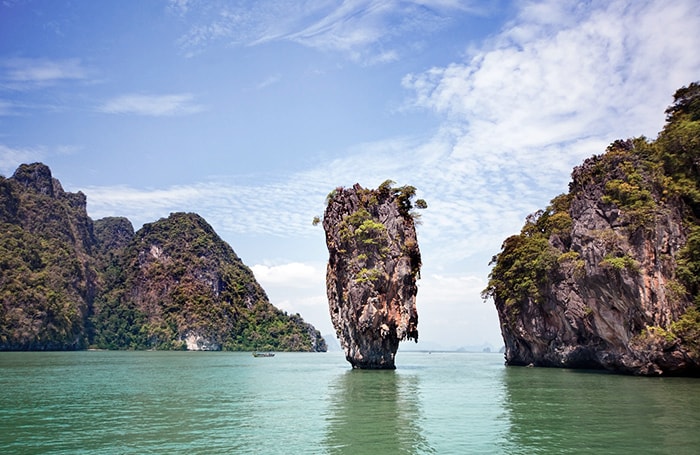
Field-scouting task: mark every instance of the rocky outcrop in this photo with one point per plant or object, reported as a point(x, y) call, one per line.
point(112, 234)
point(187, 289)
point(69, 283)
point(607, 276)
point(374, 262)
point(47, 272)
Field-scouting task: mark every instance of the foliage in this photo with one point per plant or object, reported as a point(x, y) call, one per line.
point(686, 104)
point(368, 275)
point(635, 181)
point(404, 197)
point(679, 145)
point(623, 262)
point(687, 329)
point(526, 260)
point(370, 232)
point(521, 269)
point(688, 264)
point(362, 231)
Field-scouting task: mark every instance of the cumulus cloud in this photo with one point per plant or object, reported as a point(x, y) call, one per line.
point(152, 105)
point(558, 84)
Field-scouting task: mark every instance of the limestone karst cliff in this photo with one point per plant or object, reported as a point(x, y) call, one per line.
point(607, 276)
point(182, 286)
point(374, 262)
point(67, 282)
point(47, 270)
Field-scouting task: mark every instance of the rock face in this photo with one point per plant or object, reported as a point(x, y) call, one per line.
point(373, 265)
point(67, 282)
point(47, 271)
point(183, 287)
point(607, 276)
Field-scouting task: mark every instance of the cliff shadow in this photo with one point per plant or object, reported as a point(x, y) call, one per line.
point(375, 411)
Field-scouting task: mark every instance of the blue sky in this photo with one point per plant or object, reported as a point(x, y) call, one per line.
point(250, 112)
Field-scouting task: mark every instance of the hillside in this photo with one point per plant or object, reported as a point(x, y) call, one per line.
point(48, 279)
point(608, 275)
point(69, 283)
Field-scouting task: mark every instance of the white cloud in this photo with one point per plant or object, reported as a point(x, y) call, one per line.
point(291, 275)
point(450, 289)
point(12, 157)
point(367, 31)
point(179, 6)
point(7, 108)
point(152, 105)
point(297, 287)
point(272, 80)
point(557, 85)
point(42, 71)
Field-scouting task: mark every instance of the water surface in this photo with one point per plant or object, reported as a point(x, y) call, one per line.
point(295, 403)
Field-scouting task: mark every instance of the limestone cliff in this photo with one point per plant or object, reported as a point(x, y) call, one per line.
point(374, 262)
point(67, 282)
point(182, 287)
point(47, 273)
point(607, 276)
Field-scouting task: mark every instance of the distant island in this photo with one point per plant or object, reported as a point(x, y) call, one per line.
point(69, 283)
point(608, 275)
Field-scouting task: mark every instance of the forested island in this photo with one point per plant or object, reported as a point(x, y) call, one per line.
point(608, 275)
point(69, 283)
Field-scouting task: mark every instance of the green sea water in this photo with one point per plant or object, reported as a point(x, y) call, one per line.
point(294, 403)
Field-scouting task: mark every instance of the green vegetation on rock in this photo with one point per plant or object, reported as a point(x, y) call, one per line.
point(527, 260)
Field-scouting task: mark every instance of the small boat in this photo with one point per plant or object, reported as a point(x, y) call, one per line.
point(263, 354)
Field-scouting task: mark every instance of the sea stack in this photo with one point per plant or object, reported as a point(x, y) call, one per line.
point(373, 265)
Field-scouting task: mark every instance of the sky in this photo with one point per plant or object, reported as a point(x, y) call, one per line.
point(250, 112)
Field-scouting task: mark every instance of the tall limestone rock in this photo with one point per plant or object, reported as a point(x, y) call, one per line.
point(373, 265)
point(608, 276)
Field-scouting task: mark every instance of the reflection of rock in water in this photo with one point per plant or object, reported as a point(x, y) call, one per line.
point(375, 412)
point(564, 411)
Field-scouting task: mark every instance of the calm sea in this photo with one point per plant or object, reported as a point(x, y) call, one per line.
point(443, 403)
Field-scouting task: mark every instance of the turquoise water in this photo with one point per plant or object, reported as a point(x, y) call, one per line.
point(293, 403)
